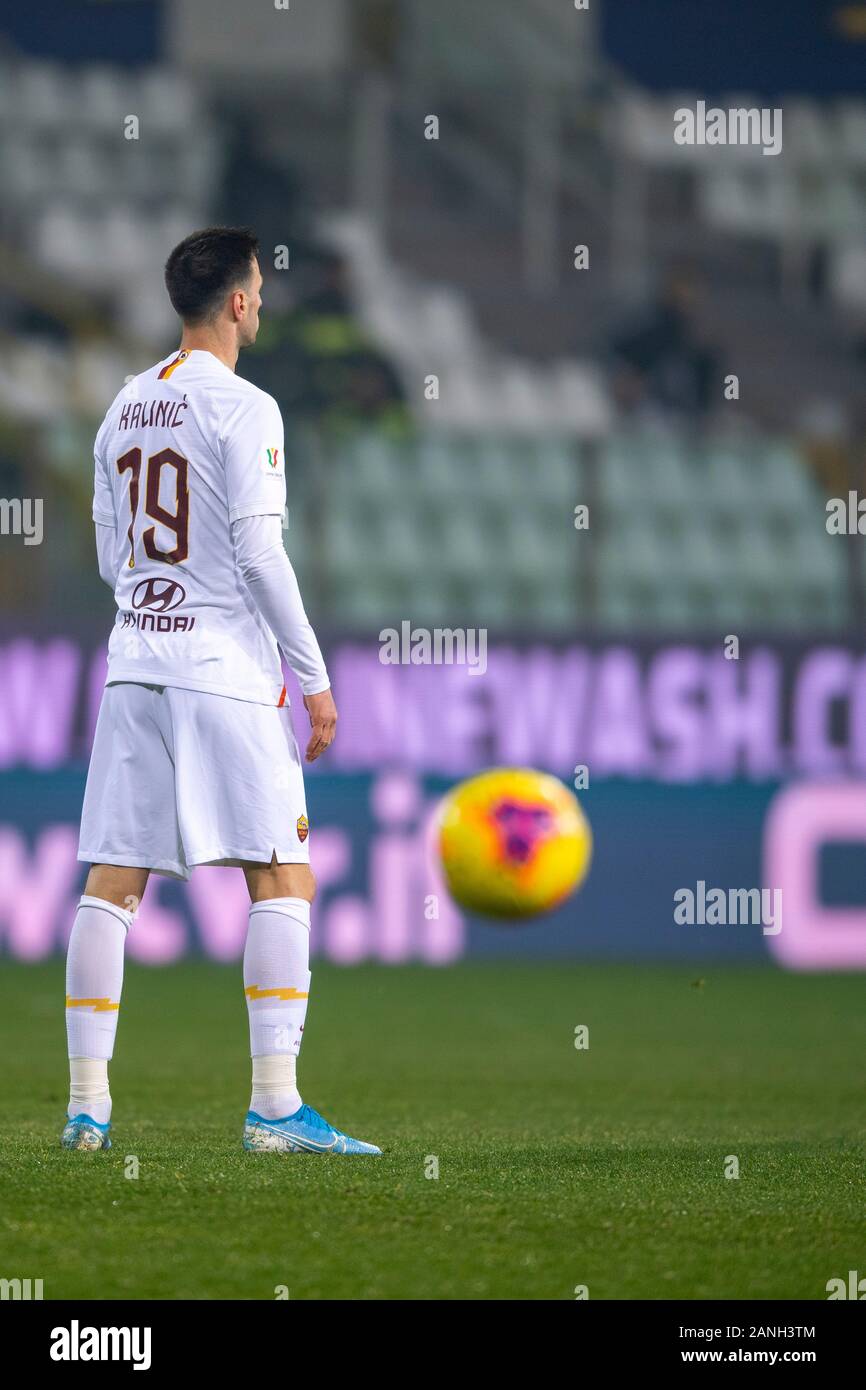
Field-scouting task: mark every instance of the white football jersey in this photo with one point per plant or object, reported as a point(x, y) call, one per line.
point(185, 449)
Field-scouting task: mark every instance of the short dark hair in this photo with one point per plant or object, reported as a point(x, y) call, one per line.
point(205, 267)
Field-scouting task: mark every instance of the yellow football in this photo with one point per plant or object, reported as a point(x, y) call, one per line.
point(513, 843)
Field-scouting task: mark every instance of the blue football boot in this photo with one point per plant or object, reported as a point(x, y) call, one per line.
point(83, 1132)
point(304, 1132)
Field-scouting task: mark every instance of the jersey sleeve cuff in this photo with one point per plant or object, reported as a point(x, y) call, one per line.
point(316, 687)
point(254, 509)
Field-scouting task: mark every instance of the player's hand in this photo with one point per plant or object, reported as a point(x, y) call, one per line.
point(323, 721)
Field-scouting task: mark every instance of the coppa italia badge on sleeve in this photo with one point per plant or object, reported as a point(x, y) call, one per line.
point(303, 828)
point(272, 463)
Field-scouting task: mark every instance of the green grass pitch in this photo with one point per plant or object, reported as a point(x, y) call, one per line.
point(558, 1167)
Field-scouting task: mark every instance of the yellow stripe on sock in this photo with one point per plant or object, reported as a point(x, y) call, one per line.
point(282, 992)
point(99, 1006)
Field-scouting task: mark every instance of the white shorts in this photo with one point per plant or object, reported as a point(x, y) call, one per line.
point(182, 777)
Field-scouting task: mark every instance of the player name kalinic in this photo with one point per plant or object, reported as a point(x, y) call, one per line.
point(77, 1343)
point(141, 415)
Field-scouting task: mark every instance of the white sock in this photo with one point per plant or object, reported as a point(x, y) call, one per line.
point(277, 987)
point(94, 980)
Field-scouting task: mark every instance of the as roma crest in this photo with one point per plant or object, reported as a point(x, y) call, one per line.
point(303, 828)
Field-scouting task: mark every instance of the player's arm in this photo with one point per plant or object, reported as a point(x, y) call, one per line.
point(105, 520)
point(251, 439)
point(106, 554)
point(268, 574)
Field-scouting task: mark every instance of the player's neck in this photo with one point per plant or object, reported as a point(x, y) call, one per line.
point(223, 346)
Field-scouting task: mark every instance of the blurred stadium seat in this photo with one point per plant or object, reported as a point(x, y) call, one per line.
point(459, 499)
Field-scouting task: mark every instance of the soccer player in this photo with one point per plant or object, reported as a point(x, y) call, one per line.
point(194, 760)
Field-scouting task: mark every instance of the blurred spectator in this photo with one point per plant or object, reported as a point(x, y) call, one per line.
point(316, 360)
point(824, 435)
point(377, 29)
point(661, 359)
point(257, 189)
